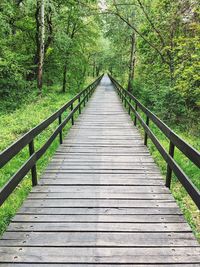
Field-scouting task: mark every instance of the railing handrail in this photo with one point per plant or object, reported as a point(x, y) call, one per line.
point(184, 147)
point(27, 139)
point(7, 154)
point(175, 141)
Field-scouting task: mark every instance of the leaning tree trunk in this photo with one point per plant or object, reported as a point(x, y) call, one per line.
point(41, 45)
point(132, 61)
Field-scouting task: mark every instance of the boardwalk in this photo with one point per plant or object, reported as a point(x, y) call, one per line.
point(101, 201)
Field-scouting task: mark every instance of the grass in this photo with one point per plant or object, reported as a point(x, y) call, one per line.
point(14, 125)
point(189, 209)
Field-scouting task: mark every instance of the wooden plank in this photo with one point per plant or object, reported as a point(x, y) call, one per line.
point(109, 165)
point(88, 239)
point(100, 255)
point(102, 188)
point(73, 176)
point(100, 211)
point(110, 169)
point(71, 226)
point(98, 203)
point(103, 159)
point(98, 218)
point(101, 195)
point(93, 265)
point(79, 181)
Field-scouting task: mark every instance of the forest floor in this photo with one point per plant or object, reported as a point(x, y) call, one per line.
point(14, 124)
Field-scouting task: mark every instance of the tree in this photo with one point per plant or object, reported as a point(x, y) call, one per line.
point(41, 40)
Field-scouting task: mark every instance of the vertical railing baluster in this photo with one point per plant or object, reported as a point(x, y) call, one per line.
point(60, 134)
point(169, 170)
point(33, 169)
point(72, 119)
point(129, 108)
point(125, 99)
point(90, 92)
point(135, 119)
point(79, 101)
point(84, 98)
point(87, 92)
point(146, 135)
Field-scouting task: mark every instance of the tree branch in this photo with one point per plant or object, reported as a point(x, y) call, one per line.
point(151, 22)
point(141, 35)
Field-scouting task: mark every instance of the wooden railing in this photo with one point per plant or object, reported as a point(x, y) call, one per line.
point(174, 141)
point(28, 139)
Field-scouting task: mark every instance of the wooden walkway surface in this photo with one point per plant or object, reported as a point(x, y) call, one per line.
point(101, 201)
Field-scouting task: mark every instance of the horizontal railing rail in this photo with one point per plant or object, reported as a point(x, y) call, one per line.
point(174, 141)
point(28, 139)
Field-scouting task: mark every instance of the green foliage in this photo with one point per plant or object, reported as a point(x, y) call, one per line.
point(167, 55)
point(14, 125)
point(80, 43)
point(167, 69)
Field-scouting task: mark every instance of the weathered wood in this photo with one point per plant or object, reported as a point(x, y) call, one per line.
point(98, 218)
point(94, 265)
point(100, 255)
point(89, 239)
point(99, 211)
point(90, 181)
point(101, 201)
point(99, 188)
point(98, 203)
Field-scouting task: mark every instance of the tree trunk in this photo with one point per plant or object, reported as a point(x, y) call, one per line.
point(132, 62)
point(34, 70)
point(64, 78)
point(41, 50)
point(32, 74)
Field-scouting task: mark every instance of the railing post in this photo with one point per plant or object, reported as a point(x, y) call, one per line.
point(120, 93)
point(125, 99)
point(84, 98)
point(79, 108)
point(72, 119)
point(87, 92)
point(60, 134)
point(146, 135)
point(33, 169)
point(135, 119)
point(129, 108)
point(169, 170)
point(90, 92)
